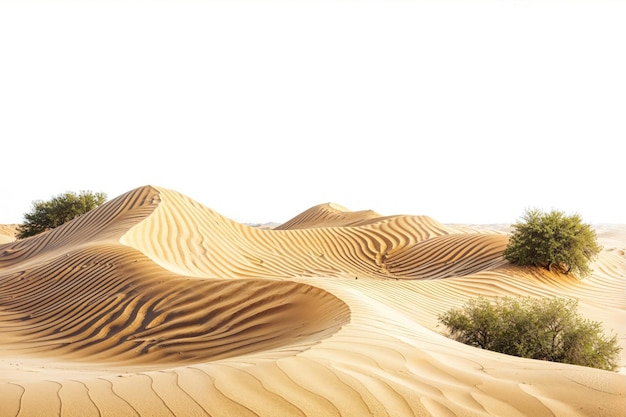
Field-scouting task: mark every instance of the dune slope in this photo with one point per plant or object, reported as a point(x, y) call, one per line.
point(153, 304)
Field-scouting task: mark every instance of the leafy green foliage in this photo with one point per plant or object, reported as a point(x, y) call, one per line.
point(553, 240)
point(46, 215)
point(536, 328)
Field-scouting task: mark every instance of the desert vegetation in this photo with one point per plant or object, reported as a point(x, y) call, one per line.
point(538, 328)
point(554, 241)
point(46, 215)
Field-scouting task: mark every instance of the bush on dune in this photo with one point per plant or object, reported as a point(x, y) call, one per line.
point(553, 240)
point(46, 215)
point(536, 328)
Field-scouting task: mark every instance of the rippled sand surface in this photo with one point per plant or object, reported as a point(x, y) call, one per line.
point(154, 305)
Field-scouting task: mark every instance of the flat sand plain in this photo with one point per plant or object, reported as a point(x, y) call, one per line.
point(155, 305)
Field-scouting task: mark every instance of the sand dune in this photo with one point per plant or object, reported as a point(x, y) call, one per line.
point(155, 305)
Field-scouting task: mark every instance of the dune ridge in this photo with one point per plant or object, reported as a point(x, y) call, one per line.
point(153, 304)
point(225, 248)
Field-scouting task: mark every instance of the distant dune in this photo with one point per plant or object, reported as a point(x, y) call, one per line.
point(155, 305)
point(7, 233)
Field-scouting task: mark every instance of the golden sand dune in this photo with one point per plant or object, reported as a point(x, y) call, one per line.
point(208, 244)
point(155, 305)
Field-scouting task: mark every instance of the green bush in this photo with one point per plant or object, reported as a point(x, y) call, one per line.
point(536, 328)
point(553, 240)
point(46, 215)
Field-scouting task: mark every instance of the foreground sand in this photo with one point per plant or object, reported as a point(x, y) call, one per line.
point(155, 305)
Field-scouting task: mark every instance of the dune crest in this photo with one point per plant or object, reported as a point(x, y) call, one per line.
point(208, 244)
point(328, 215)
point(153, 304)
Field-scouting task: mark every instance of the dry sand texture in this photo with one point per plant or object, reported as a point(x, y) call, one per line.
point(155, 305)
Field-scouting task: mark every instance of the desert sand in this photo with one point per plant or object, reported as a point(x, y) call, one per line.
point(155, 305)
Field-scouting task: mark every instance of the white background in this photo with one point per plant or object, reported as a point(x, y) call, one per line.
point(466, 111)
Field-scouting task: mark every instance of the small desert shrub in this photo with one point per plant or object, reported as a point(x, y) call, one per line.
point(538, 328)
point(553, 240)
